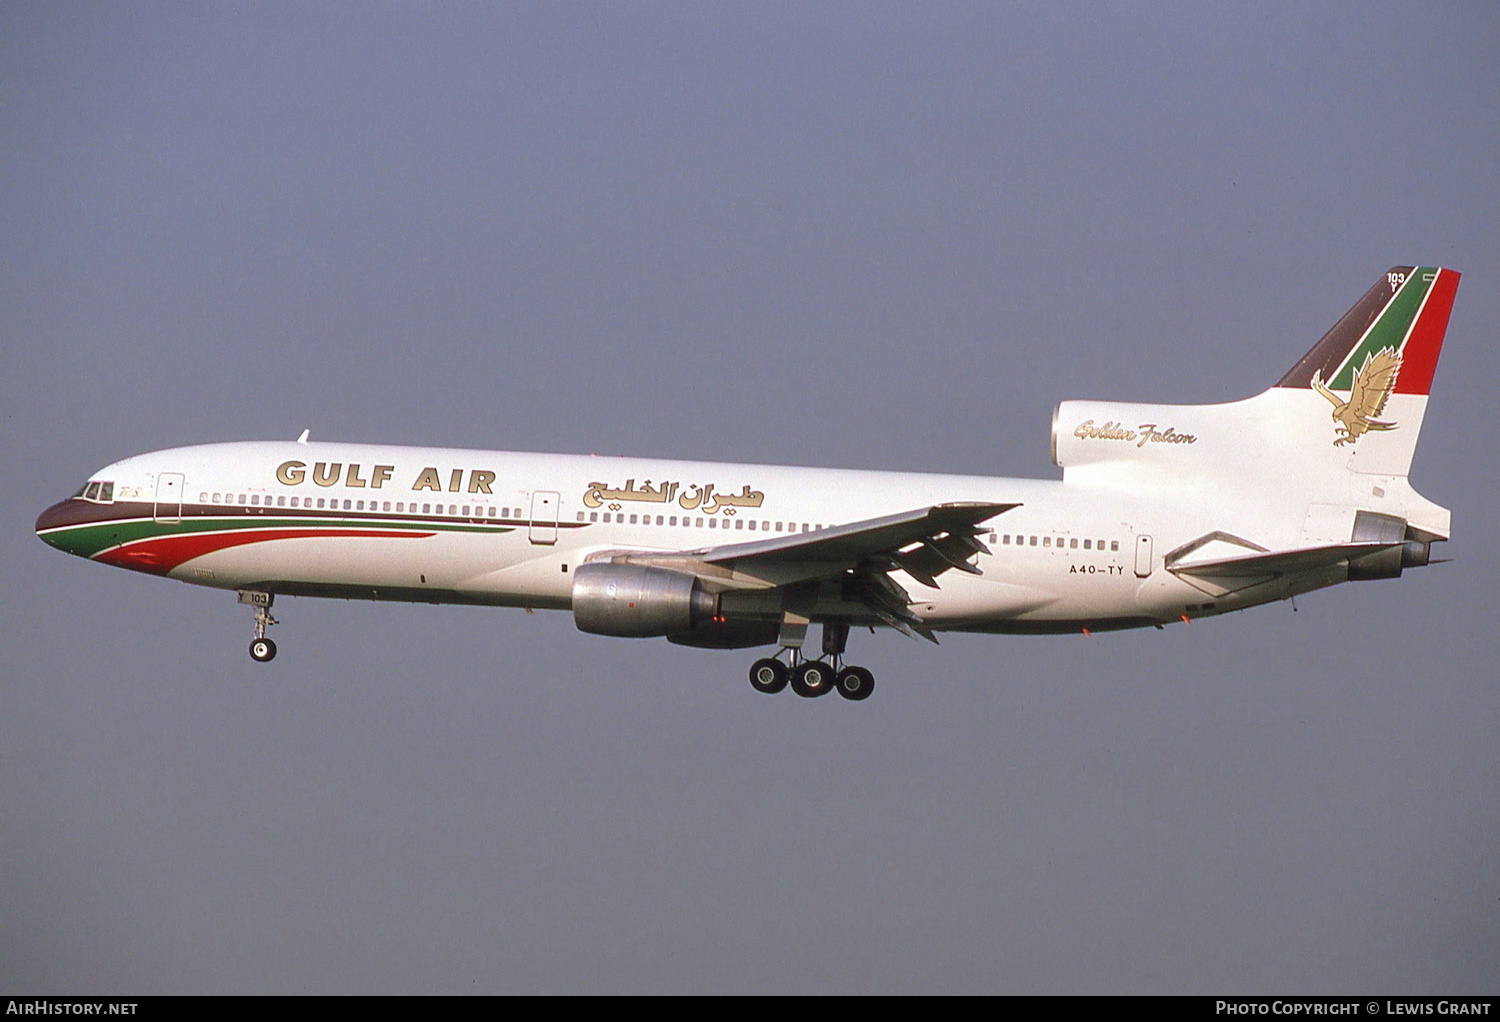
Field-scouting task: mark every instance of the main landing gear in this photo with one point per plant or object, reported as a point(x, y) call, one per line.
point(262, 649)
point(813, 678)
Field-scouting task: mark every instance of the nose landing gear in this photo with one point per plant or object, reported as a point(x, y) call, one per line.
point(262, 649)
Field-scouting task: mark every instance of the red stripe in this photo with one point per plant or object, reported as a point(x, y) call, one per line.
point(1420, 355)
point(161, 554)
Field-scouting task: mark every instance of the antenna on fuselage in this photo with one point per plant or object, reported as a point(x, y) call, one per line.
point(303, 438)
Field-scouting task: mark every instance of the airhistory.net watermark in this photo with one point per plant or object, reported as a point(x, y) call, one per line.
point(46, 1007)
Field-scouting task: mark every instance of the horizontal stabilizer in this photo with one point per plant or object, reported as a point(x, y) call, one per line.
point(1279, 562)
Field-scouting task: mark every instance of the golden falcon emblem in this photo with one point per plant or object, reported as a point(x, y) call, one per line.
point(1373, 383)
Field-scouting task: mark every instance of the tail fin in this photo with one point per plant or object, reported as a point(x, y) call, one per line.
point(1375, 366)
point(1407, 311)
point(1354, 403)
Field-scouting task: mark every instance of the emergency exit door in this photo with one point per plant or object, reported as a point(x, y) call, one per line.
point(543, 530)
point(168, 497)
point(1143, 556)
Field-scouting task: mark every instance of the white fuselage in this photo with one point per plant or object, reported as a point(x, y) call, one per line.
point(508, 528)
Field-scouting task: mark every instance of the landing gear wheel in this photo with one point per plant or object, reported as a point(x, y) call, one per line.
point(768, 675)
point(262, 650)
point(812, 678)
point(855, 683)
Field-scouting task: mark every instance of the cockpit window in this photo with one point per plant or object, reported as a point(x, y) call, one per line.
point(99, 492)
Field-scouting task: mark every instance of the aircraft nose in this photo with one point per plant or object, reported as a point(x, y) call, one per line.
point(52, 518)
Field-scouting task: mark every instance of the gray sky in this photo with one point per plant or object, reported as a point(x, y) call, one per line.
point(885, 236)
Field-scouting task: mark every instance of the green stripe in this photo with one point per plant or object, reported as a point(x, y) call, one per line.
point(88, 540)
point(1390, 330)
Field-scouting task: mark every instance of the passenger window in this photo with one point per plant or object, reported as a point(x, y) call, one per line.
point(700, 523)
point(242, 498)
point(752, 526)
point(426, 509)
point(658, 519)
point(386, 507)
point(1046, 541)
point(1086, 544)
point(739, 523)
point(346, 505)
point(713, 523)
point(320, 502)
point(633, 519)
point(593, 516)
point(1033, 541)
point(1072, 544)
point(1114, 545)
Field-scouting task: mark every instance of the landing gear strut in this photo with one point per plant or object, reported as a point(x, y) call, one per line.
point(813, 678)
point(262, 649)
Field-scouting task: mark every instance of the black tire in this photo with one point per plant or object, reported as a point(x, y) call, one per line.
point(812, 678)
point(769, 675)
point(262, 650)
point(855, 683)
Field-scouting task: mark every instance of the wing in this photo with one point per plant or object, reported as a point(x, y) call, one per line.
point(1374, 382)
point(924, 543)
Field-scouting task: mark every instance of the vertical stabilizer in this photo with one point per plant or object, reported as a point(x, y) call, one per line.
point(1354, 403)
point(1374, 368)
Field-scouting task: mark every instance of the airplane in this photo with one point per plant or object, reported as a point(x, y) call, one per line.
point(1164, 513)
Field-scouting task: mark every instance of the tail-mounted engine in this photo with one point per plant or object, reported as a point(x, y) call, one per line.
point(1414, 551)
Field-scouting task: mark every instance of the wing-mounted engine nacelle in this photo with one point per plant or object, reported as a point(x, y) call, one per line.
point(636, 600)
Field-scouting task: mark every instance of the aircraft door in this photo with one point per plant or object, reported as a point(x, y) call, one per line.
point(1143, 556)
point(168, 497)
point(544, 517)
